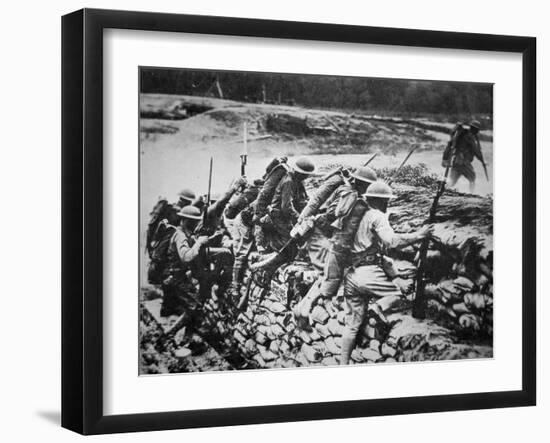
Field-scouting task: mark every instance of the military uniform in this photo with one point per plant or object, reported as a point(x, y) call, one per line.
point(275, 172)
point(289, 200)
point(179, 292)
point(345, 210)
point(466, 148)
point(366, 278)
point(348, 214)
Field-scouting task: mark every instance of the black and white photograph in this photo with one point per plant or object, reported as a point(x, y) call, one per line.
point(290, 220)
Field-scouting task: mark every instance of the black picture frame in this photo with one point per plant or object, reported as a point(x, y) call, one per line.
point(82, 220)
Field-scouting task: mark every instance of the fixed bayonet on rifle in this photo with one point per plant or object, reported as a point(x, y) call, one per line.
point(419, 304)
point(371, 159)
point(208, 196)
point(342, 170)
point(244, 155)
point(394, 176)
point(205, 213)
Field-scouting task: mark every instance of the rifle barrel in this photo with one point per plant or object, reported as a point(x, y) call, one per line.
point(419, 308)
point(371, 159)
point(403, 163)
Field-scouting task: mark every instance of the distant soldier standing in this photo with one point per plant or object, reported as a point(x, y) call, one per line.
point(367, 278)
point(461, 150)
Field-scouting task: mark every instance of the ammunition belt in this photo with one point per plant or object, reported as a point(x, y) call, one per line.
point(364, 259)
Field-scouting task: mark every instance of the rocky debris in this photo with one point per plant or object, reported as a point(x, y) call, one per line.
point(183, 353)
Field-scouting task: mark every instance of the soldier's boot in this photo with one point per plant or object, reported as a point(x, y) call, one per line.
point(236, 282)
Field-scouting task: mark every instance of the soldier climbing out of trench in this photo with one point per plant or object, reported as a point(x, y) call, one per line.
point(274, 172)
point(344, 209)
point(367, 279)
point(465, 145)
point(345, 212)
point(288, 201)
point(238, 218)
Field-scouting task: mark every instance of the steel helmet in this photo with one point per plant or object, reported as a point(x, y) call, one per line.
point(380, 190)
point(365, 174)
point(475, 124)
point(187, 194)
point(304, 165)
point(191, 212)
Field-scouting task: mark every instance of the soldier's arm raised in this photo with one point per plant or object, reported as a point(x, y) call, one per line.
point(187, 253)
point(391, 240)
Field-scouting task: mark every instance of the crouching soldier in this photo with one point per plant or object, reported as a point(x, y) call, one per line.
point(179, 292)
point(366, 278)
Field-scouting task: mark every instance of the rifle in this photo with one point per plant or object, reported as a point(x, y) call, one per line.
point(345, 171)
point(204, 254)
point(419, 304)
point(371, 159)
point(204, 230)
point(414, 148)
point(244, 155)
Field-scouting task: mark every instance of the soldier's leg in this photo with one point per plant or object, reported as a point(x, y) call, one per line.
point(470, 175)
point(354, 319)
point(260, 239)
point(454, 175)
point(223, 266)
point(242, 249)
point(170, 300)
point(333, 272)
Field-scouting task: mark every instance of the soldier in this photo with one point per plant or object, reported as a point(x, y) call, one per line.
point(162, 225)
point(274, 173)
point(185, 197)
point(179, 293)
point(288, 201)
point(217, 204)
point(367, 279)
point(461, 150)
point(347, 210)
point(238, 218)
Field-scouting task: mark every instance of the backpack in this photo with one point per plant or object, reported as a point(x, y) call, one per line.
point(159, 233)
point(275, 171)
point(458, 131)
